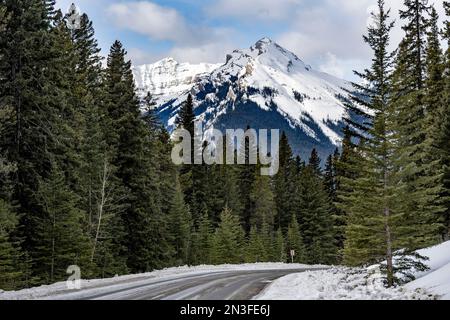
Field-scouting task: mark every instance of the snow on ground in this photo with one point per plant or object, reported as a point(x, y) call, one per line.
point(97, 286)
point(437, 279)
point(340, 283)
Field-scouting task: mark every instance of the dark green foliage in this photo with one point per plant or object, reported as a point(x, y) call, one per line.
point(10, 274)
point(412, 163)
point(279, 247)
point(444, 141)
point(391, 200)
point(247, 173)
point(60, 240)
point(263, 203)
point(315, 218)
point(255, 250)
point(294, 241)
point(180, 227)
point(228, 240)
point(285, 185)
point(134, 157)
point(201, 245)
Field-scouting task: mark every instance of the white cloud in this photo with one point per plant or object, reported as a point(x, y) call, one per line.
point(250, 9)
point(155, 21)
point(329, 32)
point(333, 66)
point(191, 43)
point(138, 56)
point(211, 52)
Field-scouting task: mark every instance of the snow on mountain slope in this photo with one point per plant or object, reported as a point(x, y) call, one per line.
point(298, 91)
point(167, 78)
point(265, 87)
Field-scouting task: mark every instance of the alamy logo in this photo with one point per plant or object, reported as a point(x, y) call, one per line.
point(215, 148)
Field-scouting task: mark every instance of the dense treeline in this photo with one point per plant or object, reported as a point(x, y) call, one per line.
point(86, 177)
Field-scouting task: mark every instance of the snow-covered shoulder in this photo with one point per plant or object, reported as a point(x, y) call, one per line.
point(338, 283)
point(342, 283)
point(437, 279)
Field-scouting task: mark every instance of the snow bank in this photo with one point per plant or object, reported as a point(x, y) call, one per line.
point(338, 283)
point(365, 284)
point(89, 287)
point(437, 279)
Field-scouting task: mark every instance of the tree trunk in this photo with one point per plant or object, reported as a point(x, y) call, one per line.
point(101, 206)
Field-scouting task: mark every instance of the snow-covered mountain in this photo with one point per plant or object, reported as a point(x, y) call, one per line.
point(264, 87)
point(167, 79)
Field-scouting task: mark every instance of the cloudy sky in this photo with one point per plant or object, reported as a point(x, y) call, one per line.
point(324, 33)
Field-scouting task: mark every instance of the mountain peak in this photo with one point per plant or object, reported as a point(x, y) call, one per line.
point(264, 40)
point(262, 45)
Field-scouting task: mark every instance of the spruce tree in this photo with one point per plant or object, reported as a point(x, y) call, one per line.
point(315, 218)
point(264, 203)
point(445, 123)
point(135, 160)
point(186, 120)
point(294, 242)
point(433, 154)
point(60, 238)
point(36, 77)
point(285, 185)
point(10, 274)
point(228, 240)
point(246, 175)
point(255, 251)
point(201, 241)
point(279, 247)
point(420, 204)
point(180, 226)
point(365, 193)
point(315, 162)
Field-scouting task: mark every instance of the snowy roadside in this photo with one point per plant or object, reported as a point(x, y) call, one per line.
point(340, 283)
point(98, 285)
point(437, 279)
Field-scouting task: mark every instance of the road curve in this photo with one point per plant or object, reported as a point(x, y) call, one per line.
point(227, 285)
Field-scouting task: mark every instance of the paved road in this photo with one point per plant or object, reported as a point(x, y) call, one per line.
point(232, 285)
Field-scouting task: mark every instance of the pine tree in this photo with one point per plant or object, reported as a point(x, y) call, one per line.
point(10, 275)
point(228, 240)
point(434, 155)
point(295, 242)
point(315, 218)
point(135, 161)
point(332, 186)
point(284, 185)
point(365, 193)
point(186, 121)
point(36, 77)
point(246, 175)
point(279, 248)
point(255, 251)
point(315, 162)
point(330, 178)
point(60, 239)
point(180, 226)
point(422, 182)
point(201, 242)
point(264, 203)
point(445, 123)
